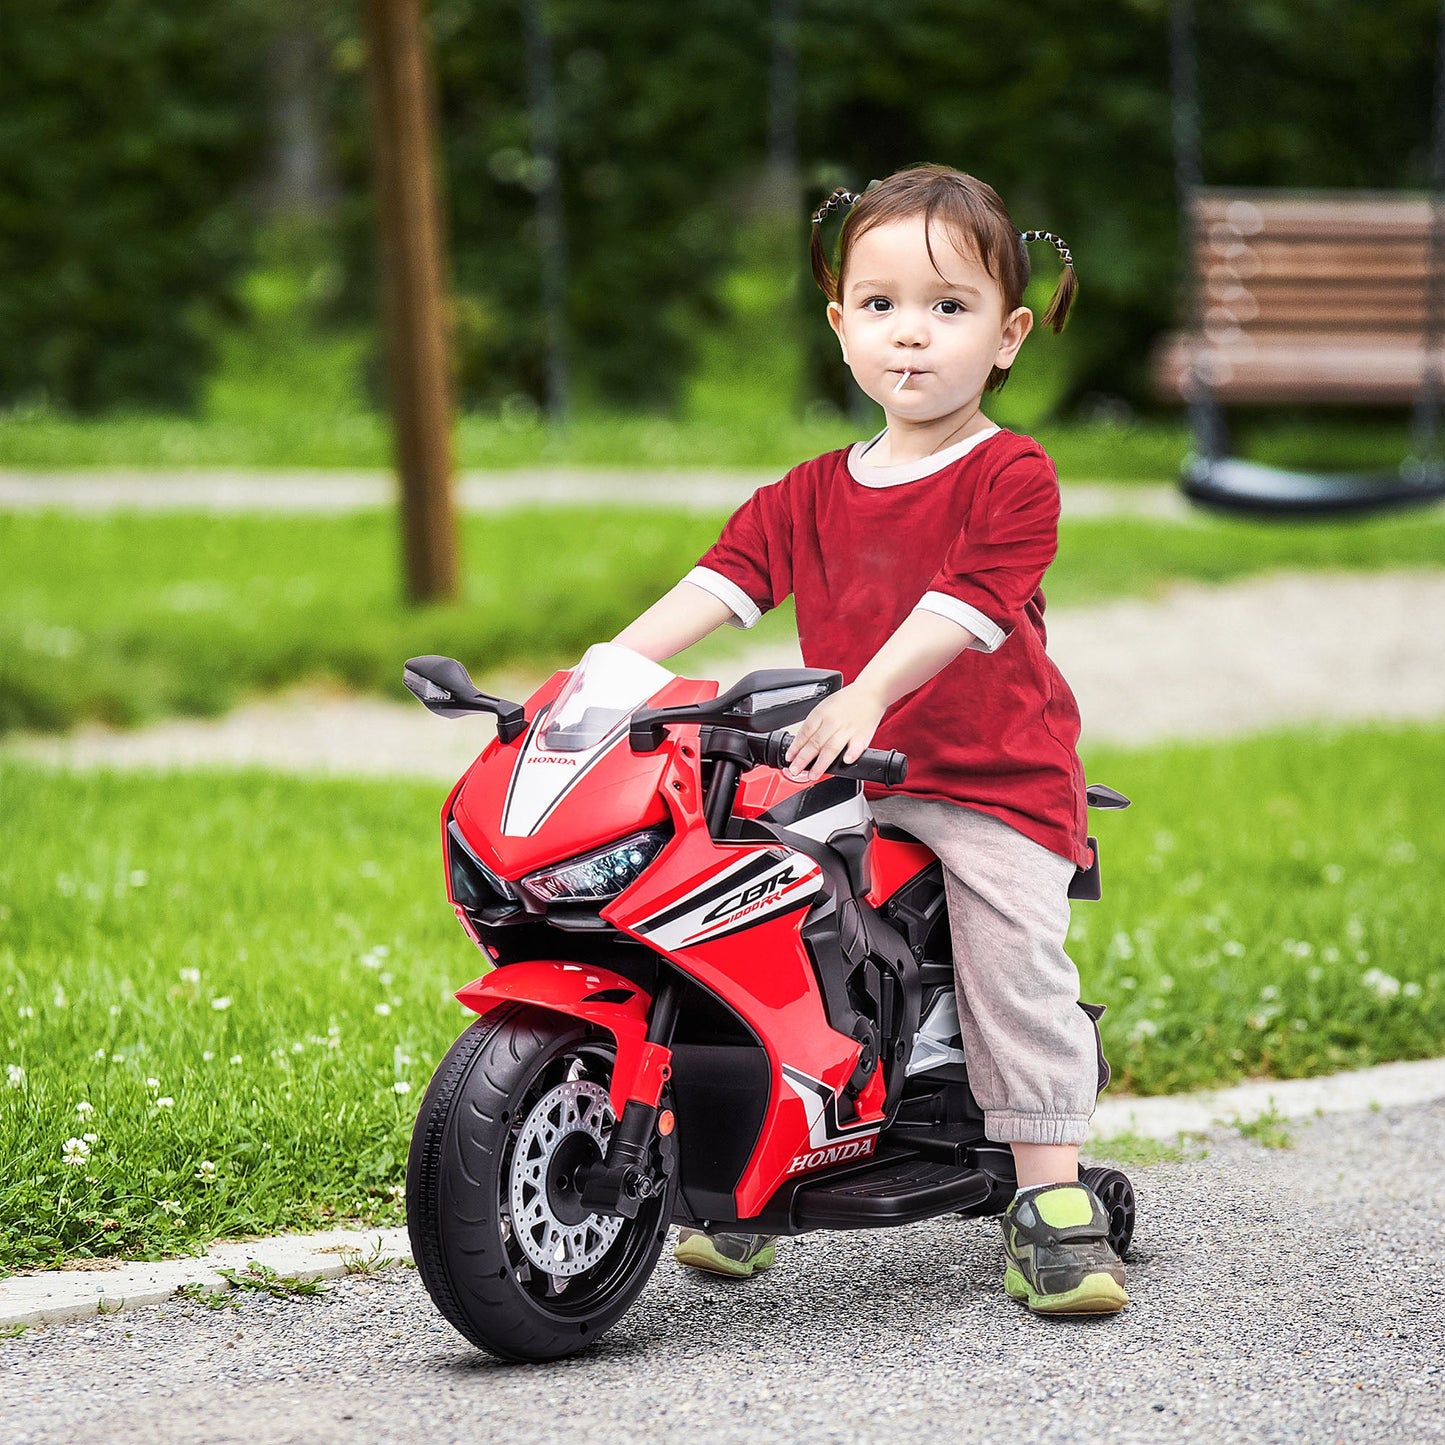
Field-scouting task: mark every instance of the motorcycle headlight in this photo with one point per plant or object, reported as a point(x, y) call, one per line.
point(599, 875)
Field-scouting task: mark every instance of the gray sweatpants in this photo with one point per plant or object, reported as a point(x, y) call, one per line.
point(1031, 1051)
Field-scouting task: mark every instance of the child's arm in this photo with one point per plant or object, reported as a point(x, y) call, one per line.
point(674, 622)
point(844, 724)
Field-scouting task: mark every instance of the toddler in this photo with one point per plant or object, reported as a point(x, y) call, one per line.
point(915, 561)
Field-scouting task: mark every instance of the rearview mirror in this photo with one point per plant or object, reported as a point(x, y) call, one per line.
point(444, 687)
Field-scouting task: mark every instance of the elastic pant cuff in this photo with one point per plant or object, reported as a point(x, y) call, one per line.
point(1018, 1128)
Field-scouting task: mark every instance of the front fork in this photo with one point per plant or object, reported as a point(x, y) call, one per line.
point(642, 1152)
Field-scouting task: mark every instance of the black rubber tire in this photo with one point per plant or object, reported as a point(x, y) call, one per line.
point(1116, 1194)
point(455, 1185)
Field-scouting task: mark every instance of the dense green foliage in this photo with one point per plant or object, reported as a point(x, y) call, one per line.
point(129, 147)
point(230, 990)
point(129, 133)
point(137, 615)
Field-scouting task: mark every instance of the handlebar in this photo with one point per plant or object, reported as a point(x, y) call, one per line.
point(873, 765)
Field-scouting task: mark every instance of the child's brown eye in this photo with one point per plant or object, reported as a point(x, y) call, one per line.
point(950, 308)
point(877, 303)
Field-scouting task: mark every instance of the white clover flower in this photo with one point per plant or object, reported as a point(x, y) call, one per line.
point(383, 1009)
point(221, 1004)
point(333, 1031)
point(99, 1056)
point(91, 1138)
point(298, 1047)
point(206, 1174)
point(1269, 991)
point(401, 1087)
point(15, 1076)
point(235, 1058)
point(190, 975)
point(386, 979)
point(1143, 1029)
point(1380, 983)
point(26, 1012)
point(1411, 990)
point(85, 1108)
point(153, 1084)
point(139, 878)
point(169, 1206)
point(1330, 954)
point(1234, 948)
point(1259, 1021)
point(75, 1153)
point(1332, 873)
point(207, 1055)
point(117, 1058)
point(59, 999)
point(114, 1010)
point(165, 1102)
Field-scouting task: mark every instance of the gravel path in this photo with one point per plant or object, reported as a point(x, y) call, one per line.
point(1201, 661)
point(335, 490)
point(1279, 1296)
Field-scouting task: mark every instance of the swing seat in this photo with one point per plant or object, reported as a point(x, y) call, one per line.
point(1229, 485)
point(1314, 298)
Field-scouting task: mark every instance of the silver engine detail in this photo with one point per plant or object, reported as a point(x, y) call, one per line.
point(940, 1040)
point(558, 1249)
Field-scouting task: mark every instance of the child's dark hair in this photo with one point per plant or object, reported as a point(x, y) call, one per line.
point(974, 216)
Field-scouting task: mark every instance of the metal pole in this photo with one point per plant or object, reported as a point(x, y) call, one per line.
point(1206, 420)
point(412, 266)
point(1425, 424)
point(551, 218)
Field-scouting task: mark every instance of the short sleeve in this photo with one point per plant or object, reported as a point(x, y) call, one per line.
point(750, 566)
point(995, 565)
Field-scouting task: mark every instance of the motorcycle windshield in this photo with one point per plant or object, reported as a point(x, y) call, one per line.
point(609, 684)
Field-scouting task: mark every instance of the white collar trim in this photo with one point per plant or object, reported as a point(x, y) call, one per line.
point(872, 474)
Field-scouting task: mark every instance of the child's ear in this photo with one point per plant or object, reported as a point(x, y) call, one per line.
point(1016, 327)
point(835, 320)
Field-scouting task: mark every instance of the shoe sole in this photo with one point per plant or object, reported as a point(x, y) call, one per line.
point(699, 1253)
point(1096, 1294)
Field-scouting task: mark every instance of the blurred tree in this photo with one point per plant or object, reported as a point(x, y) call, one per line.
point(129, 132)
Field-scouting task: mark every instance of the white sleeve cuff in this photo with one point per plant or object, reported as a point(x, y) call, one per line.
point(725, 590)
point(988, 636)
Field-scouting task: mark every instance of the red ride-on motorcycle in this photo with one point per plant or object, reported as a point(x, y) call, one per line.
point(720, 999)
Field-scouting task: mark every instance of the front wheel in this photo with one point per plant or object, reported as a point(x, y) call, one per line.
point(498, 1234)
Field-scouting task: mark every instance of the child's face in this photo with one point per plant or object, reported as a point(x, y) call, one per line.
point(898, 313)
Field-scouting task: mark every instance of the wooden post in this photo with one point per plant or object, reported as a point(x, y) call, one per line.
point(409, 227)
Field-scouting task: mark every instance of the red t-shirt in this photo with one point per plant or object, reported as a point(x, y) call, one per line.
point(997, 728)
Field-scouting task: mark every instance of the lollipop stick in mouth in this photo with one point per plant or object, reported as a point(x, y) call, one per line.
point(901, 382)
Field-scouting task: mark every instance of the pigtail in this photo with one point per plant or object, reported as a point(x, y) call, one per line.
point(1062, 301)
point(823, 272)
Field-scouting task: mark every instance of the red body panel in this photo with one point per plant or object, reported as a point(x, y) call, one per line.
point(892, 864)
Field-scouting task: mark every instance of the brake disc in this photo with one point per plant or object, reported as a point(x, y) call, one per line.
point(554, 1246)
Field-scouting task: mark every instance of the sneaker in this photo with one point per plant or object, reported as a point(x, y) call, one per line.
point(1060, 1261)
point(735, 1255)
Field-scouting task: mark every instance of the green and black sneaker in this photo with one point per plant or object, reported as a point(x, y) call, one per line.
point(1060, 1261)
point(735, 1255)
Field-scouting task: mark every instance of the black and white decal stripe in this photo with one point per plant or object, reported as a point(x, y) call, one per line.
point(821, 1105)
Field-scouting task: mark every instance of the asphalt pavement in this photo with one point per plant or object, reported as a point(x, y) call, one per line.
point(1279, 1295)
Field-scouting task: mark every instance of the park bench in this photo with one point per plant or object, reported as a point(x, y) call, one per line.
point(1323, 298)
point(1306, 297)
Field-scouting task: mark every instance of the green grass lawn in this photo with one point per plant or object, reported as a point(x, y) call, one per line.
point(230, 989)
point(140, 615)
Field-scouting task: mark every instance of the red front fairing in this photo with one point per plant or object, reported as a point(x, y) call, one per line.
point(727, 913)
point(616, 794)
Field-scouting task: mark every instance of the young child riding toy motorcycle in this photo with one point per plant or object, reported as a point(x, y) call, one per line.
point(915, 560)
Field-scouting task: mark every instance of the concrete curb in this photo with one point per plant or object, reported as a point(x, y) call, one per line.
point(56, 1296)
point(1384, 1086)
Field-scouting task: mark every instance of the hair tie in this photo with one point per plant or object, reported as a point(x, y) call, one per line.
point(1057, 242)
point(840, 197)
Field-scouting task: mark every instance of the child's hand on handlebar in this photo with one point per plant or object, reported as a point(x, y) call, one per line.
point(840, 726)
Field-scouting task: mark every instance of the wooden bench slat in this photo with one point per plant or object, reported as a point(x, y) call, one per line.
point(1307, 297)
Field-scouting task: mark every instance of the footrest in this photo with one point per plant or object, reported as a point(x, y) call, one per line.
point(898, 1191)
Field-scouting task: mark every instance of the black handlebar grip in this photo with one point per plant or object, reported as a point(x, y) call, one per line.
point(874, 765)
